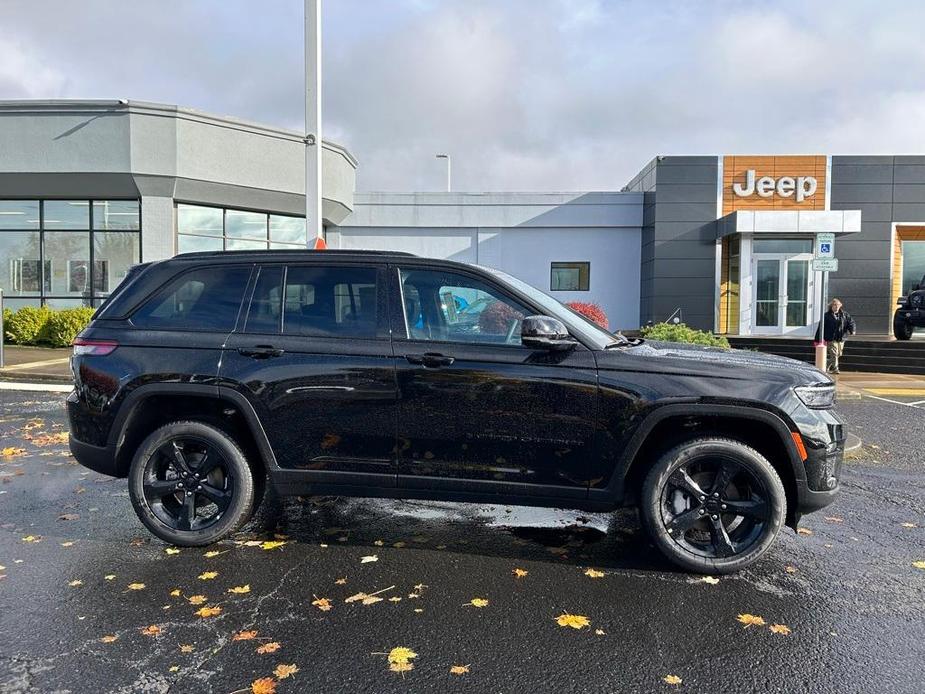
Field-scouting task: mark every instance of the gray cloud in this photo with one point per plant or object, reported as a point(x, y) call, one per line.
point(526, 95)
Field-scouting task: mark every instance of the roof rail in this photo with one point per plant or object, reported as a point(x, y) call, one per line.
point(294, 251)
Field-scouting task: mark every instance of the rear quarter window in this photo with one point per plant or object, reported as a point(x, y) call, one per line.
point(205, 299)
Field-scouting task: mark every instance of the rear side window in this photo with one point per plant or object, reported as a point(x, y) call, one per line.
point(331, 301)
point(204, 299)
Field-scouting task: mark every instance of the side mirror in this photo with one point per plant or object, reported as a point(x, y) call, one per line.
point(545, 332)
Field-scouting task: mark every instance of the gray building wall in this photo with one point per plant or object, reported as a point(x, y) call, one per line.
point(887, 190)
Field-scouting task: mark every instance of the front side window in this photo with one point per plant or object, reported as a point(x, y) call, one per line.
point(331, 301)
point(205, 299)
point(570, 277)
point(448, 307)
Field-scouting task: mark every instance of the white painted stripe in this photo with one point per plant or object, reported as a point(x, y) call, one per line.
point(895, 402)
point(38, 387)
point(35, 364)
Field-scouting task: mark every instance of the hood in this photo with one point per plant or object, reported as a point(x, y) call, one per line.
point(700, 360)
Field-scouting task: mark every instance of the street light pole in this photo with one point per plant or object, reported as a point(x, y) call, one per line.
point(449, 180)
point(313, 220)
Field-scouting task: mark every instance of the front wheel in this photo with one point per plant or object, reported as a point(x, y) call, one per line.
point(190, 484)
point(902, 329)
point(713, 505)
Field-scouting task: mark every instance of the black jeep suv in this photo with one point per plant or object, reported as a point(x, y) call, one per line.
point(354, 373)
point(910, 312)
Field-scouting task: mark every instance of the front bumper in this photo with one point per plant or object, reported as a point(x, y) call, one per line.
point(823, 434)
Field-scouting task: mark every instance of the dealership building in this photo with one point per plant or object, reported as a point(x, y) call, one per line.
point(726, 243)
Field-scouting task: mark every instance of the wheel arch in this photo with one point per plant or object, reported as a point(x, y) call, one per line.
point(152, 405)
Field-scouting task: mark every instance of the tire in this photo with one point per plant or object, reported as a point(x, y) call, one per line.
point(902, 329)
point(210, 467)
point(679, 518)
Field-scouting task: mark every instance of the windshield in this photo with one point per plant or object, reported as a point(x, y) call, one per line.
point(580, 326)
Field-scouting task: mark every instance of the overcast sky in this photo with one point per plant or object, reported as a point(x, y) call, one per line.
point(525, 94)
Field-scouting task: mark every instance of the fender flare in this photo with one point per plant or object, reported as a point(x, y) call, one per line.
point(137, 396)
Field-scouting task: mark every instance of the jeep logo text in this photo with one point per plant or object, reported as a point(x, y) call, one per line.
point(786, 186)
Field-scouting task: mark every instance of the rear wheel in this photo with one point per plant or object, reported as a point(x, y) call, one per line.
point(190, 484)
point(713, 505)
point(902, 329)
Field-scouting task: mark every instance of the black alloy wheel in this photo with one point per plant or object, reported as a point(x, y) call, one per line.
point(191, 484)
point(713, 505)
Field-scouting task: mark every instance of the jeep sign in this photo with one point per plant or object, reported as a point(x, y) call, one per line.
point(786, 186)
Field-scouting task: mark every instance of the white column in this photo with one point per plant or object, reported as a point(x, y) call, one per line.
point(157, 232)
point(313, 118)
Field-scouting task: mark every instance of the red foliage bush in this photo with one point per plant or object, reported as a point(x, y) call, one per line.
point(496, 318)
point(590, 311)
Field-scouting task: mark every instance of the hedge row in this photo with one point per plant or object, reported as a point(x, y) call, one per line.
point(679, 332)
point(33, 325)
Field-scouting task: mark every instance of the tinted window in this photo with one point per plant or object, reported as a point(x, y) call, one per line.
point(330, 301)
point(206, 299)
point(448, 307)
point(266, 304)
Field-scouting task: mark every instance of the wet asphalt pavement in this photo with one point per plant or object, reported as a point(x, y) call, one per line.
point(74, 615)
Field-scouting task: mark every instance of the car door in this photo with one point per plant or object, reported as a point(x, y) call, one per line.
point(313, 355)
point(477, 410)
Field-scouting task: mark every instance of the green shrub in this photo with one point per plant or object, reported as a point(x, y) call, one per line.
point(62, 326)
point(678, 332)
point(24, 327)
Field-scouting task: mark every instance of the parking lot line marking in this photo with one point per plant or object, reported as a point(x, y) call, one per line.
point(896, 391)
point(39, 387)
point(45, 362)
point(895, 402)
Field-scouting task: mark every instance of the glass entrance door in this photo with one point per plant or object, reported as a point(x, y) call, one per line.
point(782, 296)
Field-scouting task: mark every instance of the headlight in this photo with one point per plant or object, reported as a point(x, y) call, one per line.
point(817, 397)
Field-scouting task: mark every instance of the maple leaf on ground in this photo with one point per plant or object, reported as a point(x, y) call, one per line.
point(400, 659)
point(459, 670)
point(208, 611)
point(69, 543)
point(780, 629)
point(152, 630)
point(750, 620)
point(804, 531)
point(477, 602)
point(909, 525)
point(186, 648)
point(197, 599)
point(834, 519)
point(11, 452)
point(265, 685)
point(175, 593)
point(600, 632)
point(341, 582)
point(207, 575)
point(239, 590)
point(790, 569)
point(272, 544)
point(213, 553)
point(919, 564)
point(75, 583)
point(576, 621)
point(136, 586)
point(520, 573)
point(672, 679)
point(323, 604)
point(29, 539)
point(171, 550)
point(594, 573)
point(108, 638)
point(710, 580)
point(244, 636)
point(269, 647)
point(283, 671)
point(368, 559)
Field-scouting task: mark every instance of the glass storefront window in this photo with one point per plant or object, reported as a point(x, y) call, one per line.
point(192, 244)
point(66, 214)
point(19, 214)
point(67, 261)
point(245, 225)
point(205, 221)
point(114, 252)
point(115, 215)
point(20, 274)
point(913, 264)
point(287, 229)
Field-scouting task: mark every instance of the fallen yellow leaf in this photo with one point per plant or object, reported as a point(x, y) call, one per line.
point(265, 685)
point(323, 604)
point(400, 659)
point(834, 519)
point(459, 670)
point(576, 621)
point(919, 564)
point(29, 539)
point(197, 599)
point(368, 559)
point(709, 579)
point(804, 531)
point(750, 619)
point(67, 544)
point(175, 593)
point(212, 553)
point(341, 582)
point(207, 575)
point(110, 577)
point(240, 589)
point(244, 636)
point(395, 598)
point(780, 629)
point(790, 569)
point(173, 668)
point(152, 630)
point(75, 583)
point(520, 573)
point(136, 586)
point(594, 573)
point(272, 544)
point(11, 452)
point(283, 671)
point(478, 602)
point(109, 638)
point(672, 679)
point(171, 550)
point(269, 647)
point(909, 525)
point(208, 611)
point(186, 648)
point(600, 632)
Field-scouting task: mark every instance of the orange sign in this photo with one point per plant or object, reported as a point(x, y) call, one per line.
point(773, 182)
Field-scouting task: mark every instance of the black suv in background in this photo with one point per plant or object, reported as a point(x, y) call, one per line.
point(910, 312)
point(356, 373)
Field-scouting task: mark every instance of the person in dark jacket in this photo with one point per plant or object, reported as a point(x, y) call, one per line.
point(836, 325)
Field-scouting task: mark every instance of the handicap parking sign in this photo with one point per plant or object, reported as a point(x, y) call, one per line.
point(825, 248)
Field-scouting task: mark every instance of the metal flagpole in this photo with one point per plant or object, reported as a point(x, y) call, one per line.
point(313, 220)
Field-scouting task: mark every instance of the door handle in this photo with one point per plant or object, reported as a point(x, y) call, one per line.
point(260, 351)
point(429, 360)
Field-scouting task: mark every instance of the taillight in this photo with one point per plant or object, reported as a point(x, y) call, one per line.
point(96, 348)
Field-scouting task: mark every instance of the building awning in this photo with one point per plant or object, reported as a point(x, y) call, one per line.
point(789, 222)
